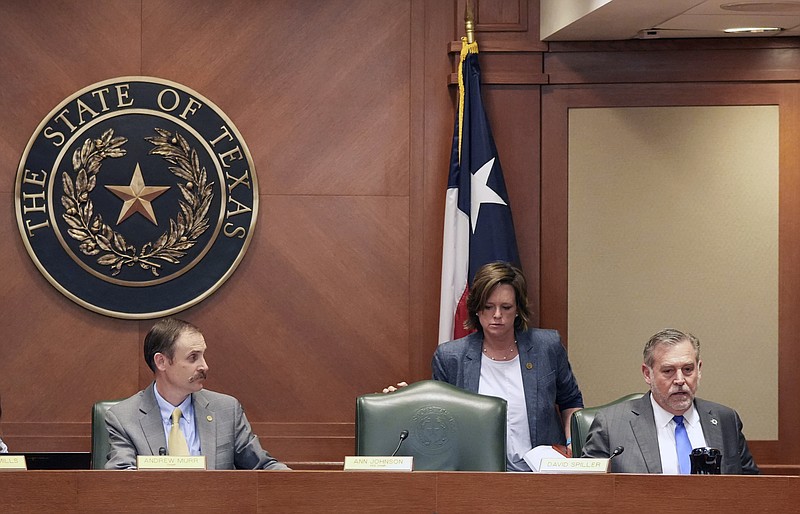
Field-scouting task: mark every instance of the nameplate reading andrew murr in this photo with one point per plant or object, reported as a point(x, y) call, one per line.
point(167, 462)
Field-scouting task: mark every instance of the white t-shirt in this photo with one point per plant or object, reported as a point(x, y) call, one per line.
point(504, 380)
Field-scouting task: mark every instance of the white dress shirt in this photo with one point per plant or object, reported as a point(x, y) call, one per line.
point(186, 422)
point(665, 426)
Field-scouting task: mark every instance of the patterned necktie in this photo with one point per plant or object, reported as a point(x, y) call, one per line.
point(177, 441)
point(683, 446)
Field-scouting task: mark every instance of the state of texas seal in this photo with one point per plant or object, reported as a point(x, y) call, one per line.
point(136, 197)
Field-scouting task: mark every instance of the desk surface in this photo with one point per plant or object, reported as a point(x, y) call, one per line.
point(339, 491)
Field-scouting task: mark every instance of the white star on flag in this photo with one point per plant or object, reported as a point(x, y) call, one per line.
point(481, 193)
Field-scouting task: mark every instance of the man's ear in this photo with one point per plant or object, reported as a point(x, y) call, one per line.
point(160, 361)
point(647, 374)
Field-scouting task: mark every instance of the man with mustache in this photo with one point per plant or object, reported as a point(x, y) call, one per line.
point(174, 415)
point(650, 429)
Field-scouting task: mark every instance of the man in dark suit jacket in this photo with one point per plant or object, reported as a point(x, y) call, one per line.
point(211, 424)
point(645, 427)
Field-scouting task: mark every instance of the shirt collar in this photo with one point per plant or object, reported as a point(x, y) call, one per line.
point(166, 408)
point(663, 418)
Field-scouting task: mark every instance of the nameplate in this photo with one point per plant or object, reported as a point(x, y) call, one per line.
point(162, 462)
point(375, 463)
point(13, 463)
point(573, 466)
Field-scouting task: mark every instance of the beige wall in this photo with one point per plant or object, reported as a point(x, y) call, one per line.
point(673, 222)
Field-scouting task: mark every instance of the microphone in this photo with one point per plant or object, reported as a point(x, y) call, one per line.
point(403, 436)
point(162, 451)
point(618, 450)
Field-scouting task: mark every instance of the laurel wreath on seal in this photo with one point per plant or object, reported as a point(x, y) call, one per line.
point(96, 237)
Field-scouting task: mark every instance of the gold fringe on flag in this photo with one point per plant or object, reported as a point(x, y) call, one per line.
point(466, 49)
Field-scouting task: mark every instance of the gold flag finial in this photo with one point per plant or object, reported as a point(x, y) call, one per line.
point(469, 21)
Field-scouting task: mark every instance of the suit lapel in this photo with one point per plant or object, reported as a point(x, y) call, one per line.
point(643, 426)
point(472, 363)
point(206, 426)
point(712, 429)
point(151, 422)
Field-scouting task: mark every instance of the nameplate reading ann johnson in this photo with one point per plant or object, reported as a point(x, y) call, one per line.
point(377, 463)
point(13, 463)
point(574, 466)
point(166, 462)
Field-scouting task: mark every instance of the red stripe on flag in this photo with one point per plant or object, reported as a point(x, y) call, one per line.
point(461, 316)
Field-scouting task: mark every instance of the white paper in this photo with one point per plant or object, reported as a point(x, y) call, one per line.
point(535, 456)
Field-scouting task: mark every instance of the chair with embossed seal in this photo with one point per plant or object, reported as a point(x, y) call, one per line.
point(442, 426)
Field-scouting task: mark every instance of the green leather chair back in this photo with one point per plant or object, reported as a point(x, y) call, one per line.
point(582, 420)
point(449, 429)
point(100, 443)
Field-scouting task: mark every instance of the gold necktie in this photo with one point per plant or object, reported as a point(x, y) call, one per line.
point(177, 441)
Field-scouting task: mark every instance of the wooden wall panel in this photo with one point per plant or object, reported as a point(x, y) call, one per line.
point(51, 50)
point(56, 358)
point(320, 90)
point(503, 25)
point(434, 136)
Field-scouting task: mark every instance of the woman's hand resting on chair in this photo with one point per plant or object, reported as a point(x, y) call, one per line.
point(391, 389)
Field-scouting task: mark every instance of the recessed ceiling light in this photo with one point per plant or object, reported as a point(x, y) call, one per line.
point(763, 7)
point(752, 30)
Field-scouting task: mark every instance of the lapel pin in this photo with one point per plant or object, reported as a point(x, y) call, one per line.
point(212, 419)
point(713, 421)
point(529, 365)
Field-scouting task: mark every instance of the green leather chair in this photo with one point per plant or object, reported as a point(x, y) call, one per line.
point(448, 429)
point(100, 443)
point(582, 420)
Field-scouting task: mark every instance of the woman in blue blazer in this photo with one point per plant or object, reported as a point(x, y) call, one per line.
point(504, 357)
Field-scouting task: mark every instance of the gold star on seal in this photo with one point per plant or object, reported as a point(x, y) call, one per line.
point(137, 197)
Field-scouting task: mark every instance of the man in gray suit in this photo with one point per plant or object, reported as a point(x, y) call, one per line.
point(650, 429)
point(175, 415)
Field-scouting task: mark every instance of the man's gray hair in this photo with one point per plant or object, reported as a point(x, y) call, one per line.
point(669, 337)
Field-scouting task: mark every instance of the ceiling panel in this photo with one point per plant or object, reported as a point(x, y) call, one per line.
point(595, 20)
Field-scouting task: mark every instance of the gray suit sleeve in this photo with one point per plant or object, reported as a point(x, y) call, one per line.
point(748, 464)
point(248, 451)
point(123, 453)
point(597, 442)
point(437, 366)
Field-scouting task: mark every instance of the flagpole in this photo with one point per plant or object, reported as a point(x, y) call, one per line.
point(468, 45)
point(469, 22)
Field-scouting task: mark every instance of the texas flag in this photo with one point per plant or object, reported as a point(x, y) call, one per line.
point(477, 224)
